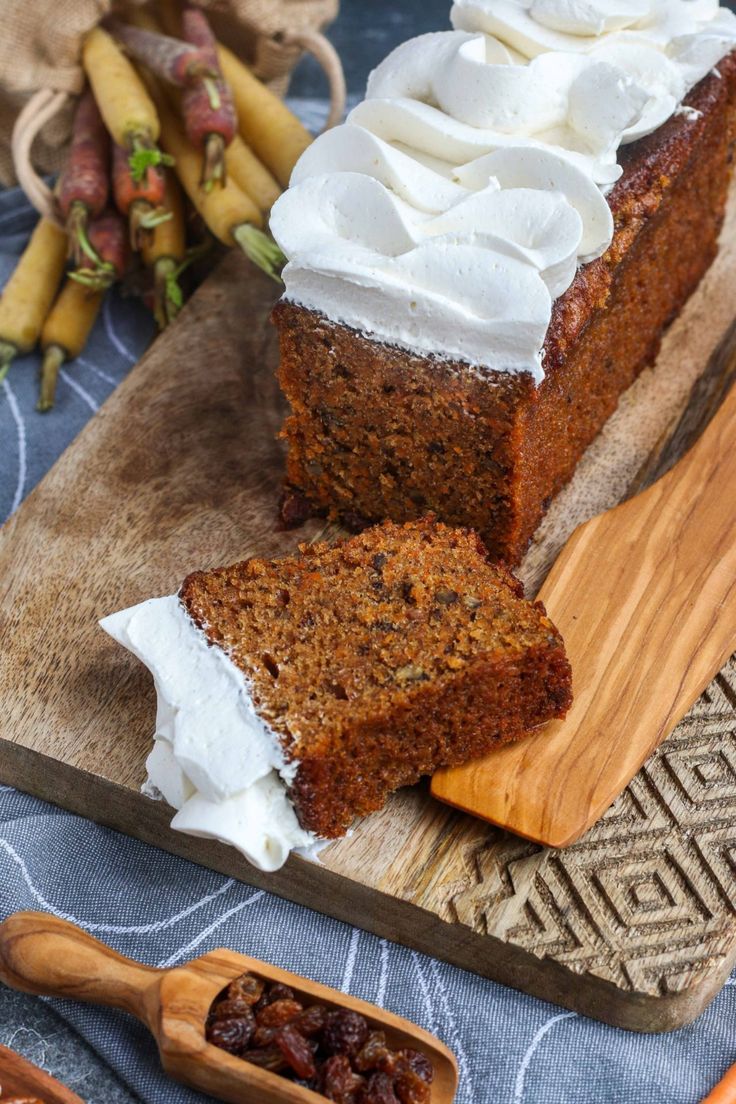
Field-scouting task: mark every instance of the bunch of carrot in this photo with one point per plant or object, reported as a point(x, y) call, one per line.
point(166, 118)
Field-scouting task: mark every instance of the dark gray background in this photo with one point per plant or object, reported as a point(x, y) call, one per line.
point(364, 33)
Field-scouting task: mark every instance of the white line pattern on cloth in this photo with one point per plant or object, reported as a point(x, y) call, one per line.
point(381, 992)
point(80, 391)
point(22, 447)
point(97, 371)
point(188, 947)
point(468, 1089)
point(113, 338)
point(431, 1019)
point(117, 929)
point(543, 1030)
point(347, 975)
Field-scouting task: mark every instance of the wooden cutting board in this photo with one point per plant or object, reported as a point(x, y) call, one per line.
point(634, 924)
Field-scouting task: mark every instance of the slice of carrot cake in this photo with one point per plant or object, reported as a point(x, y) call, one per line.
point(296, 694)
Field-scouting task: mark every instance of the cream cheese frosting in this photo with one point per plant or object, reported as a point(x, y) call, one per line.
point(458, 199)
point(214, 759)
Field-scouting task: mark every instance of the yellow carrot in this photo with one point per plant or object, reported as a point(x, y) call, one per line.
point(126, 107)
point(168, 239)
point(251, 175)
point(272, 131)
point(65, 334)
point(231, 215)
point(30, 291)
point(165, 252)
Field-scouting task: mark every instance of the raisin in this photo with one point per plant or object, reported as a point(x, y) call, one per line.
point(379, 560)
point(231, 1035)
point(295, 509)
point(278, 1013)
point(232, 1010)
point(276, 992)
point(263, 1036)
point(312, 1020)
point(379, 1090)
point(338, 1080)
point(345, 1032)
point(419, 1063)
point(296, 1050)
point(246, 988)
point(371, 1053)
point(312, 1083)
point(268, 1058)
point(446, 597)
point(410, 1087)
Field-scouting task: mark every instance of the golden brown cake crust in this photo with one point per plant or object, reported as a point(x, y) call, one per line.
point(377, 432)
point(379, 659)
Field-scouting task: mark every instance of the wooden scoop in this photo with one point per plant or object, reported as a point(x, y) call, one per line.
point(20, 1080)
point(47, 956)
point(645, 598)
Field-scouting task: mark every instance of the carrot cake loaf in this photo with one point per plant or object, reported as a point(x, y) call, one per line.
point(296, 694)
point(488, 252)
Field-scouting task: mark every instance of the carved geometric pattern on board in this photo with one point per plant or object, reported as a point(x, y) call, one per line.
point(647, 899)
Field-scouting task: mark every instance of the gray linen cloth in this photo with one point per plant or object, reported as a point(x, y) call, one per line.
point(511, 1048)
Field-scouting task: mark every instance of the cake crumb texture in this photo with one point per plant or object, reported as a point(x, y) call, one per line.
point(379, 659)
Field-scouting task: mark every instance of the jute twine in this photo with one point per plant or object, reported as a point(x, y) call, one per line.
point(40, 73)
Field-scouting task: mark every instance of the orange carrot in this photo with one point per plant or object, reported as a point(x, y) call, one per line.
point(725, 1090)
point(138, 201)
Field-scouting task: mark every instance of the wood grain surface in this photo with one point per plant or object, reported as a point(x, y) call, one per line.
point(21, 1079)
point(634, 924)
point(645, 598)
point(46, 955)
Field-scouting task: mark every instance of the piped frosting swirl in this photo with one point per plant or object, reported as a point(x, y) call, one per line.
point(456, 202)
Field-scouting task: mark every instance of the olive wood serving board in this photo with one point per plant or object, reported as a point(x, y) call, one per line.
point(634, 924)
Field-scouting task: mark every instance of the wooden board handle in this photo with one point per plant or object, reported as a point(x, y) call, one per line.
point(44, 955)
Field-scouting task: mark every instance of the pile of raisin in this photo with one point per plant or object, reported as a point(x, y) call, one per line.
point(332, 1052)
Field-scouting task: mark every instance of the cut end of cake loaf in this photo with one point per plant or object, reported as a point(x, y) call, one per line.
point(382, 658)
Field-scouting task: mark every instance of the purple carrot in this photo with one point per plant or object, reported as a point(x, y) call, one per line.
point(174, 61)
point(207, 106)
point(84, 184)
point(108, 238)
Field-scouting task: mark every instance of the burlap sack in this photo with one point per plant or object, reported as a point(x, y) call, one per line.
point(40, 47)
